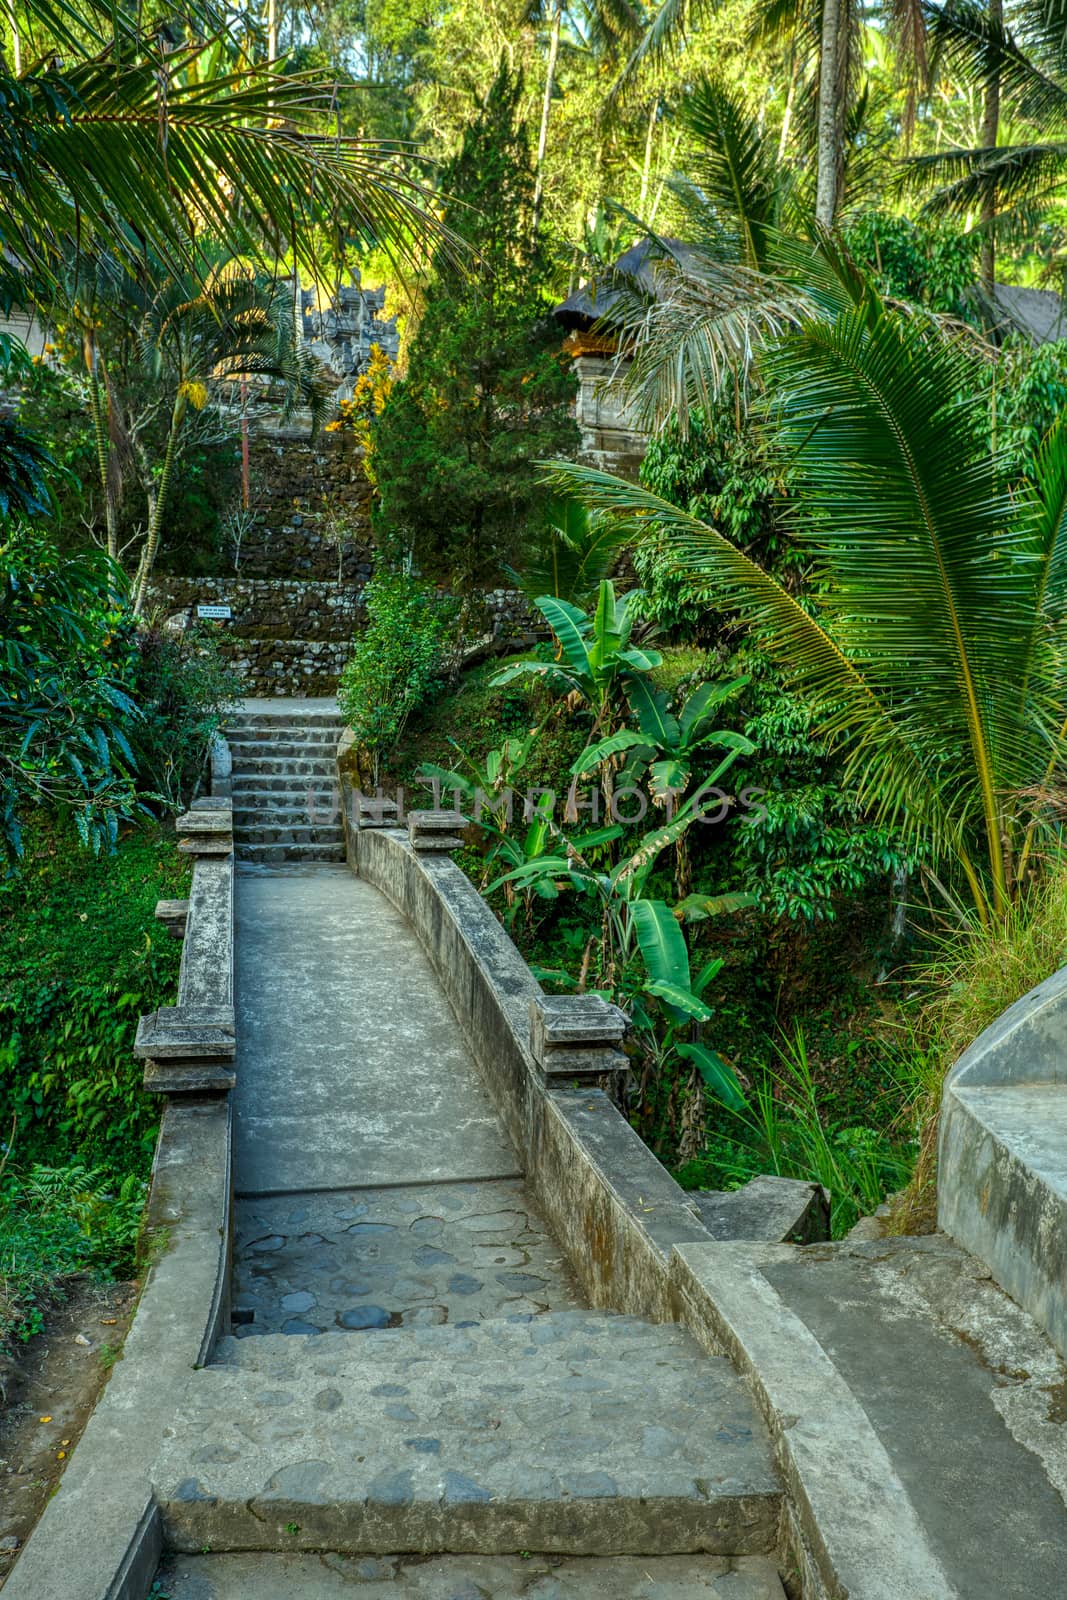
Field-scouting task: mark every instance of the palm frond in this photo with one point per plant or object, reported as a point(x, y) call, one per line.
point(705, 317)
point(1011, 176)
point(735, 166)
point(145, 153)
point(810, 657)
point(982, 51)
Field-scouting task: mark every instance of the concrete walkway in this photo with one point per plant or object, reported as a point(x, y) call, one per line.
point(412, 1368)
point(351, 1069)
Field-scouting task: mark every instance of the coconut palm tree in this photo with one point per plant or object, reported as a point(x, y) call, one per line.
point(1017, 53)
point(932, 647)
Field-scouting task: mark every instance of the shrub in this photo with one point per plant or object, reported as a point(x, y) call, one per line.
point(398, 662)
point(55, 1221)
point(183, 688)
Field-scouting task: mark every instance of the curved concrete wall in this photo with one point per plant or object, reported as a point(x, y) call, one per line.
point(1002, 1181)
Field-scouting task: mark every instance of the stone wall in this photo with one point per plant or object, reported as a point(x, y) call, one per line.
point(293, 623)
point(293, 478)
point(286, 636)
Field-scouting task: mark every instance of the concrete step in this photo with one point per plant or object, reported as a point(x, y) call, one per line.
point(293, 766)
point(255, 783)
point(608, 1441)
point(274, 854)
point(539, 1577)
point(285, 717)
point(535, 1343)
point(323, 749)
point(290, 833)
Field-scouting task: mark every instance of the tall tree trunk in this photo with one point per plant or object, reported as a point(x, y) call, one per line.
point(987, 270)
point(99, 401)
point(157, 507)
point(546, 111)
point(646, 169)
point(787, 110)
point(834, 23)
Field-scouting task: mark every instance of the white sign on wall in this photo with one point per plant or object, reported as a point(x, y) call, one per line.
point(214, 613)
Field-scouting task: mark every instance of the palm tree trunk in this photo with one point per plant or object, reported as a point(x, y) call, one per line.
point(157, 507)
point(834, 21)
point(790, 101)
point(102, 446)
point(646, 170)
point(990, 129)
point(546, 111)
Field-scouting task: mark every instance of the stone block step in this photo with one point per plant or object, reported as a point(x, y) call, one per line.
point(279, 810)
point(290, 833)
point(539, 1577)
point(615, 1443)
point(320, 749)
point(254, 783)
point(274, 854)
point(295, 766)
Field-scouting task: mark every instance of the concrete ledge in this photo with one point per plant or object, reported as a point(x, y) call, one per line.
point(100, 1535)
point(851, 1527)
point(1002, 1175)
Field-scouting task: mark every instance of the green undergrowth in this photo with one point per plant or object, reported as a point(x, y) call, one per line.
point(56, 1221)
point(809, 1014)
point(81, 958)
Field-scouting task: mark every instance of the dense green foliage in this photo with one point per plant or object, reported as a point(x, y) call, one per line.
point(97, 717)
point(55, 1221)
point(398, 661)
point(64, 705)
point(82, 957)
point(486, 394)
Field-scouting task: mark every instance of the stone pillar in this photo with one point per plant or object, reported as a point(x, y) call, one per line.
point(576, 1039)
point(189, 1048)
point(435, 830)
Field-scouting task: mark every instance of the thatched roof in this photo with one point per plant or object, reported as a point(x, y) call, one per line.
point(595, 300)
point(1039, 313)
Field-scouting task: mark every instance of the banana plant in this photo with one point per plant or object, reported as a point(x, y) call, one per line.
point(664, 747)
point(644, 959)
point(668, 979)
point(595, 658)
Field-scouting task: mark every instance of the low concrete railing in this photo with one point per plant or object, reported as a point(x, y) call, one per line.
point(1002, 1173)
point(99, 1537)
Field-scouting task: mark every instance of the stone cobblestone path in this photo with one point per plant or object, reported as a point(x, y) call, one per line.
point(377, 1258)
point(414, 1400)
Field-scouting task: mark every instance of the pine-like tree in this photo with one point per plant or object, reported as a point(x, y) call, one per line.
point(487, 392)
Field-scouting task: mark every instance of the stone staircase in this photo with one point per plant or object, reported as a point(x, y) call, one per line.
point(575, 1432)
point(285, 798)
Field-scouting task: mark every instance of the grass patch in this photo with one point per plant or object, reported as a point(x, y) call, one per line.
point(972, 977)
point(82, 957)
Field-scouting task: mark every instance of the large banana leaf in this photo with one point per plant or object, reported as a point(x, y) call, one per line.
point(654, 717)
point(661, 942)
